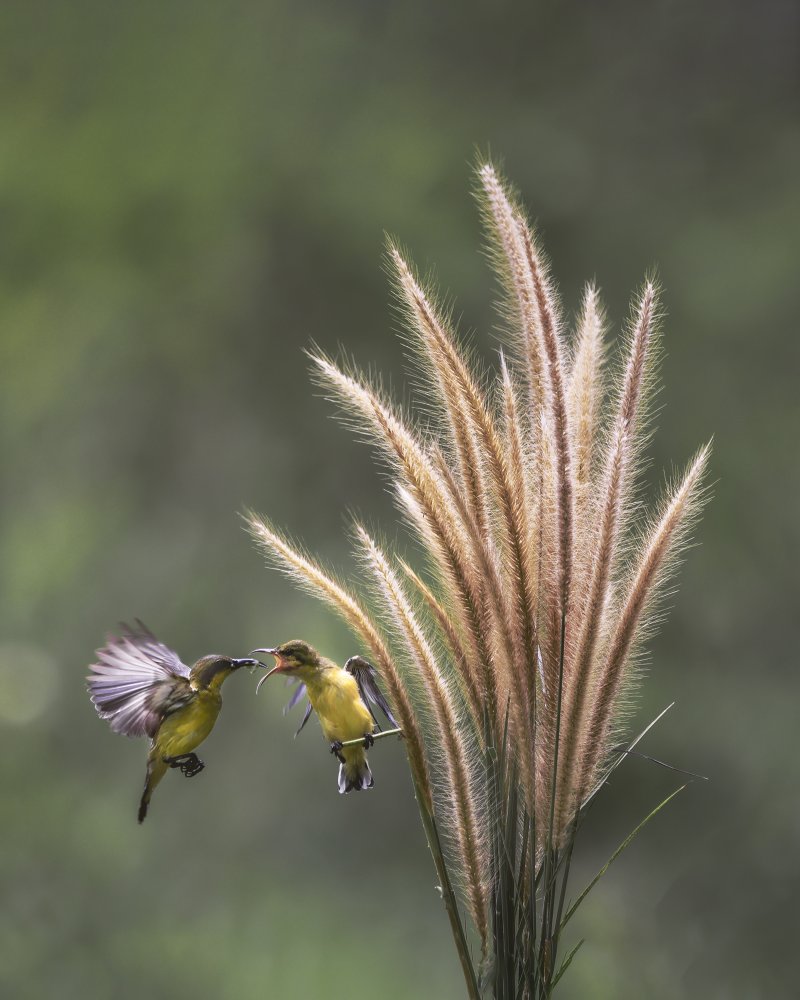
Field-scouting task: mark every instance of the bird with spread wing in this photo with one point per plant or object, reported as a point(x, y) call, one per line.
point(342, 698)
point(142, 688)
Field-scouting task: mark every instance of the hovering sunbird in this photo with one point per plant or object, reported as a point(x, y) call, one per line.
point(341, 697)
point(141, 687)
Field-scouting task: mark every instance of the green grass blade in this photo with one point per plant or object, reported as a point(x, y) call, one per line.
point(449, 897)
point(622, 756)
point(566, 964)
point(614, 857)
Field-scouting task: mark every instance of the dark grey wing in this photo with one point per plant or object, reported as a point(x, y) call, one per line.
point(367, 679)
point(297, 694)
point(136, 681)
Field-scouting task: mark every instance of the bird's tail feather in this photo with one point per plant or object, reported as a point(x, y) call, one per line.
point(355, 775)
point(156, 769)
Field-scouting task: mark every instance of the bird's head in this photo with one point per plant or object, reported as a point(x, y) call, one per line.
point(211, 671)
point(295, 659)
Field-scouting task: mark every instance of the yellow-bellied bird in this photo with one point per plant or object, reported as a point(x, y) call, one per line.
point(143, 689)
point(341, 697)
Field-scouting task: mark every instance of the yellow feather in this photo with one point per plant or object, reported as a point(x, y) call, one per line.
point(337, 701)
point(342, 714)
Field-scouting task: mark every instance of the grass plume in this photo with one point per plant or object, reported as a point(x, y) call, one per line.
point(508, 655)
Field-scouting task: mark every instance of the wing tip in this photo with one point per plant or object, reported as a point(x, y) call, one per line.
point(366, 677)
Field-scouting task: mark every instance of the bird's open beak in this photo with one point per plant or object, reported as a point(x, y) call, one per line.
point(276, 668)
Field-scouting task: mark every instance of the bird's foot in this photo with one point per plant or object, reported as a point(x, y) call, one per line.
point(189, 763)
point(336, 750)
point(369, 741)
point(192, 767)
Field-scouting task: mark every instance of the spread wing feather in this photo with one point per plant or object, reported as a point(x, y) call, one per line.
point(136, 681)
point(367, 679)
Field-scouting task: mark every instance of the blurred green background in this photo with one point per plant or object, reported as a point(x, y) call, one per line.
point(189, 195)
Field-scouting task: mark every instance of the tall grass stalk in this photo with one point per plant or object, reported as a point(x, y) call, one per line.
point(509, 652)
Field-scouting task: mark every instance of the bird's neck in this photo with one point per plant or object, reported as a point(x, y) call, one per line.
point(211, 678)
point(315, 678)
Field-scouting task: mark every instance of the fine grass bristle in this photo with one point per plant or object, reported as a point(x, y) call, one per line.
point(510, 656)
point(459, 781)
point(649, 569)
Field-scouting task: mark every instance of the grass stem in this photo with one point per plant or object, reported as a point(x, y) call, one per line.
point(362, 741)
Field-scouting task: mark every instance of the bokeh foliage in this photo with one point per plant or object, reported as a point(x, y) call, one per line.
point(189, 194)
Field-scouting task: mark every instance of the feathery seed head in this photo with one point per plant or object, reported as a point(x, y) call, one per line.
point(509, 667)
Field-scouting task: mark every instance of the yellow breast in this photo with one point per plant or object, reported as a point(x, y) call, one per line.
point(336, 699)
point(186, 729)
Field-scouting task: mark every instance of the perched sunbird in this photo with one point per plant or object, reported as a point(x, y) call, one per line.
point(341, 697)
point(143, 689)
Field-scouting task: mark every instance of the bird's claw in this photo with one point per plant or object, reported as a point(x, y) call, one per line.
point(192, 768)
point(336, 750)
point(369, 741)
point(189, 764)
